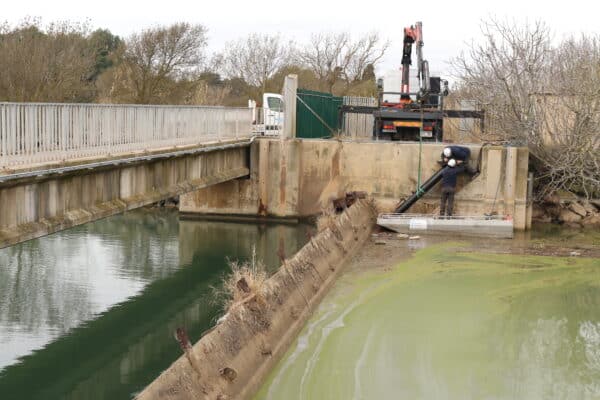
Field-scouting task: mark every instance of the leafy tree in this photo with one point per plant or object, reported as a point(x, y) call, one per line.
point(369, 73)
point(104, 45)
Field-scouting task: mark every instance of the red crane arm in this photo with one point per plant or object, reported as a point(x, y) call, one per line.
point(412, 34)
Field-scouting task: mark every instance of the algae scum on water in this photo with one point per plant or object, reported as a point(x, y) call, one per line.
point(452, 324)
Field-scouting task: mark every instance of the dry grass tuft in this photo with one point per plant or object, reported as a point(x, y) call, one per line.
point(245, 280)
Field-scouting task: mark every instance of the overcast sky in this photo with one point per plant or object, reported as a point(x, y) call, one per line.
point(447, 25)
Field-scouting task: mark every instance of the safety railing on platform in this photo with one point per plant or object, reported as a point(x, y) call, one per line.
point(495, 217)
point(32, 133)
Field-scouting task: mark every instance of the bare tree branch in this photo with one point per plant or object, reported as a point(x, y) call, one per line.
point(256, 58)
point(156, 60)
point(335, 57)
point(543, 96)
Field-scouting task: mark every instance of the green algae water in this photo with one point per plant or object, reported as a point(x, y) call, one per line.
point(450, 323)
point(90, 312)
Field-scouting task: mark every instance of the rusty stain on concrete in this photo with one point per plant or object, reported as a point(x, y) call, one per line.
point(335, 162)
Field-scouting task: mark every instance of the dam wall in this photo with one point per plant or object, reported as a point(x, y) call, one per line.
point(296, 178)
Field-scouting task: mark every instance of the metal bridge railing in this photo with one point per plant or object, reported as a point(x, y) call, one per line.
point(33, 133)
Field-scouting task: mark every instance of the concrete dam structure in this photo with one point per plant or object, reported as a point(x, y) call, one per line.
point(63, 165)
point(233, 359)
point(298, 178)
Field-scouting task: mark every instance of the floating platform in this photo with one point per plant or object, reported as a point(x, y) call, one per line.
point(496, 226)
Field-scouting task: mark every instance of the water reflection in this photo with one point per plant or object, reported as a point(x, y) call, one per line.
point(50, 285)
point(558, 351)
point(101, 301)
point(239, 238)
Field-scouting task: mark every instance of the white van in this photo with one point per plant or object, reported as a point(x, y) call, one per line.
point(268, 119)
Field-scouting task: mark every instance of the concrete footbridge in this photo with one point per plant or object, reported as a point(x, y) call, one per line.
point(66, 164)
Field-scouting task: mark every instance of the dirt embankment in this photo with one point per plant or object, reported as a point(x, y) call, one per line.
point(232, 360)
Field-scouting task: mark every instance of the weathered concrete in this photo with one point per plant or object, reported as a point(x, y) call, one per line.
point(38, 206)
point(293, 178)
point(232, 360)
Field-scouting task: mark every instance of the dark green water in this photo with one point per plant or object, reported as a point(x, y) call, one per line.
point(89, 313)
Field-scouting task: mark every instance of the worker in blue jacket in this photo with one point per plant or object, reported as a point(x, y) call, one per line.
point(449, 178)
point(461, 154)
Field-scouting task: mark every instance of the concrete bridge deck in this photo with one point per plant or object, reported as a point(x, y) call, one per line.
point(66, 164)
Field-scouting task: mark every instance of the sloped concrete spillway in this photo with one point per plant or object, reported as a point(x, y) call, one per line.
point(233, 360)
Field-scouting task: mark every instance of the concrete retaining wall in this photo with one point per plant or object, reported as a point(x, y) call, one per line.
point(232, 360)
point(35, 207)
point(294, 178)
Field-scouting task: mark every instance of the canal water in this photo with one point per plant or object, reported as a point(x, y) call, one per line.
point(90, 312)
point(451, 321)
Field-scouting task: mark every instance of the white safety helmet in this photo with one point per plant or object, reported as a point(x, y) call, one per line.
point(447, 152)
point(452, 163)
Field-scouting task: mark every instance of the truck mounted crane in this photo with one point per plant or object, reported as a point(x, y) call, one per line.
point(411, 116)
point(417, 114)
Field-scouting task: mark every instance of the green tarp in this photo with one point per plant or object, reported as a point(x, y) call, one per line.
point(317, 114)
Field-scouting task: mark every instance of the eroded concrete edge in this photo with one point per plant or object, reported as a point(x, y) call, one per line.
point(256, 334)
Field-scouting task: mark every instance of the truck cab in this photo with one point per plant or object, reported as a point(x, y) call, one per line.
point(267, 118)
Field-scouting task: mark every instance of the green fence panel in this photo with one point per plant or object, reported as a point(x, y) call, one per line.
point(325, 106)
